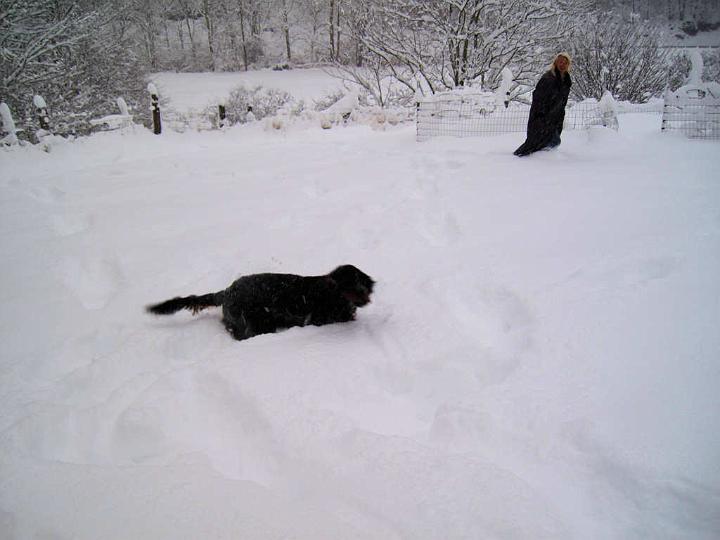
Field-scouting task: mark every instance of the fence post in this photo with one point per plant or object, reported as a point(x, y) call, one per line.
point(43, 118)
point(503, 92)
point(155, 108)
point(122, 105)
point(221, 115)
point(666, 97)
point(250, 115)
point(8, 125)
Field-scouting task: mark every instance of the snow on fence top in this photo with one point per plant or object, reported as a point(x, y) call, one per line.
point(694, 109)
point(473, 113)
point(115, 121)
point(8, 126)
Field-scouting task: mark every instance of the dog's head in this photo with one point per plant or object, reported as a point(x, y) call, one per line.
point(355, 285)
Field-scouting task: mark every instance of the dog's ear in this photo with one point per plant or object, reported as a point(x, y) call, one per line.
point(348, 275)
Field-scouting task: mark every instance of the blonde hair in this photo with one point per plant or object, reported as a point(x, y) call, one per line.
point(564, 55)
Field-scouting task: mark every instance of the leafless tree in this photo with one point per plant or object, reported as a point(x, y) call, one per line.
point(186, 12)
point(449, 43)
point(626, 60)
point(312, 25)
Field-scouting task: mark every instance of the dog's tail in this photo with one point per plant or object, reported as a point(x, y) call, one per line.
point(193, 303)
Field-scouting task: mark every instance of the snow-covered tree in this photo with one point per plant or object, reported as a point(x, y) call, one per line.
point(210, 10)
point(697, 11)
point(623, 59)
point(79, 60)
point(35, 39)
point(450, 43)
point(184, 13)
point(311, 28)
point(146, 16)
point(286, 11)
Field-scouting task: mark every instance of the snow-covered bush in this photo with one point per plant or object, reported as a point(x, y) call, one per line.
point(377, 79)
point(264, 102)
point(381, 118)
point(328, 100)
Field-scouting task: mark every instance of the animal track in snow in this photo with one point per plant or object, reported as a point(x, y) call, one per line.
point(67, 225)
point(611, 274)
point(46, 194)
point(495, 323)
point(655, 268)
point(437, 223)
point(94, 281)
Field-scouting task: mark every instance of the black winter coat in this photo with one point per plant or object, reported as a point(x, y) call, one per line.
point(547, 113)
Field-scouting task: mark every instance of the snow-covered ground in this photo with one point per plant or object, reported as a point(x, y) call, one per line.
point(541, 359)
point(192, 92)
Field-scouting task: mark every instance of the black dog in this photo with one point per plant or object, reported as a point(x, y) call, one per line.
point(264, 303)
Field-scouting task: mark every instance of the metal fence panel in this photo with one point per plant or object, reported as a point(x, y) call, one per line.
point(695, 119)
point(479, 115)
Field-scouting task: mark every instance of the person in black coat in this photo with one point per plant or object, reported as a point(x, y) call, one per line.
point(547, 111)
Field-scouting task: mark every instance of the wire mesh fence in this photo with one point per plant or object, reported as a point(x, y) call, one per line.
point(693, 118)
point(466, 114)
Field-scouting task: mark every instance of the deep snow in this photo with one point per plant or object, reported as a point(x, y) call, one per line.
point(541, 359)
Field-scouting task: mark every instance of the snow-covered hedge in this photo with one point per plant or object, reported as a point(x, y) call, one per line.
point(262, 101)
point(278, 110)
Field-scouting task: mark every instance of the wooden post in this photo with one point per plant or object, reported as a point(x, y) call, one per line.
point(155, 108)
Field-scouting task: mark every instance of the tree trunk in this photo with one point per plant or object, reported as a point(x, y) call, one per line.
point(332, 29)
point(210, 26)
point(242, 38)
point(337, 27)
point(181, 35)
point(193, 49)
point(287, 43)
point(167, 33)
point(286, 30)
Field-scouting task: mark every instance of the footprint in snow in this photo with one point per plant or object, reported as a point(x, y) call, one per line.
point(94, 281)
point(67, 225)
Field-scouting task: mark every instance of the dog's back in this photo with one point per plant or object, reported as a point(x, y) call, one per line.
point(263, 303)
